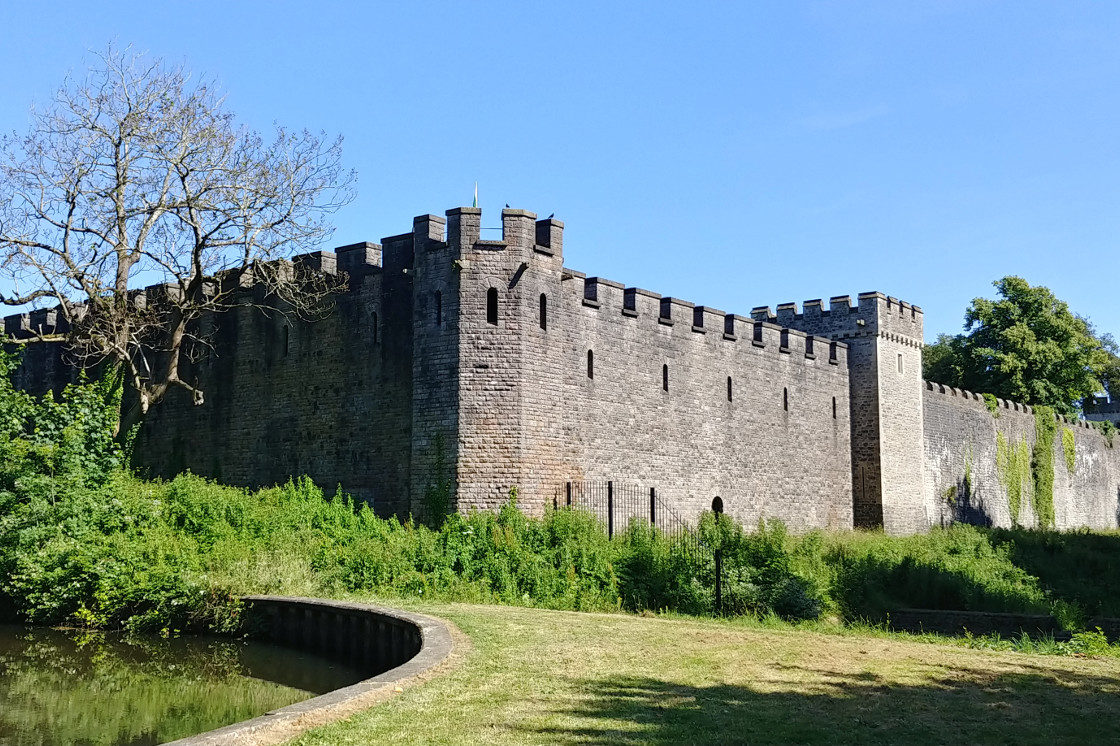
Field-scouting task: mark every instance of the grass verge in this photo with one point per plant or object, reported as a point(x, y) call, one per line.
point(535, 676)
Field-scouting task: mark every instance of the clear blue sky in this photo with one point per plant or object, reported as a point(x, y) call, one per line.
point(732, 154)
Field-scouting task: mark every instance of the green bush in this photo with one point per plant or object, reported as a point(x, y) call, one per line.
point(869, 574)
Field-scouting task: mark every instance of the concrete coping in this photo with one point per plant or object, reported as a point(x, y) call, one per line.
point(436, 644)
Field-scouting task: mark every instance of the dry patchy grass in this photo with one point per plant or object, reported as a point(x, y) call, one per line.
point(535, 676)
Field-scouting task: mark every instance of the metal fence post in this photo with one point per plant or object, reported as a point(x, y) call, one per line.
point(652, 503)
point(569, 491)
point(717, 508)
point(610, 510)
point(719, 581)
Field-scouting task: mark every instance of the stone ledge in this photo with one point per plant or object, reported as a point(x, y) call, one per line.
point(433, 640)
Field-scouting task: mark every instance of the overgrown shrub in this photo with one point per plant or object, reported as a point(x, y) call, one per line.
point(870, 574)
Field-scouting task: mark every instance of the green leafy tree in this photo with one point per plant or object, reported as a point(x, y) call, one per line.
point(942, 360)
point(1026, 346)
point(1110, 371)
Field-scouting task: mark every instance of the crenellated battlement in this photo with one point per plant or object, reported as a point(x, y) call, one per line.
point(461, 230)
point(1001, 404)
point(357, 260)
point(666, 311)
point(874, 314)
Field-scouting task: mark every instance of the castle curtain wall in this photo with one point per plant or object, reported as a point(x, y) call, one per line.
point(657, 412)
point(284, 397)
point(966, 477)
point(481, 366)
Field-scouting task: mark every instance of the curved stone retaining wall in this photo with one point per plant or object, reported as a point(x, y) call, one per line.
point(392, 646)
point(373, 640)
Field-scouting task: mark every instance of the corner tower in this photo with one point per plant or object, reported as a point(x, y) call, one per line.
point(487, 367)
point(884, 337)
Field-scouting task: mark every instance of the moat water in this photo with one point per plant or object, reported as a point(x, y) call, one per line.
point(62, 687)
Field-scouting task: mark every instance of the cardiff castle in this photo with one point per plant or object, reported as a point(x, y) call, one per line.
point(480, 367)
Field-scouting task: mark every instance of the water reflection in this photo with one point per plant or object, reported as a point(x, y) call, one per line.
point(61, 687)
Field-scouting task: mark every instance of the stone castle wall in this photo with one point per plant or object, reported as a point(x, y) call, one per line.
point(467, 367)
point(531, 415)
point(965, 481)
point(409, 375)
point(788, 396)
point(884, 338)
point(329, 399)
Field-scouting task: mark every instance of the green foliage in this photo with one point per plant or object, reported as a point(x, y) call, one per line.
point(1110, 369)
point(1042, 465)
point(757, 569)
point(869, 574)
point(1013, 467)
point(1026, 346)
point(47, 446)
point(1092, 643)
point(84, 543)
point(1107, 428)
point(1069, 448)
point(1079, 569)
point(991, 401)
point(659, 575)
point(942, 361)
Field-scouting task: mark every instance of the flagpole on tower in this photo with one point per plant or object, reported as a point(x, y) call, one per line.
point(475, 195)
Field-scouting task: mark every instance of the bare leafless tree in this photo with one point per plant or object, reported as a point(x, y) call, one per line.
point(137, 174)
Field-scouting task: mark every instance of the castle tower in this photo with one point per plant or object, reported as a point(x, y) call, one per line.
point(485, 371)
point(510, 369)
point(884, 337)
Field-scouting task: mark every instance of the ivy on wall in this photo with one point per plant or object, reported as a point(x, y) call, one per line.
point(1069, 447)
point(1042, 465)
point(439, 491)
point(1013, 467)
point(1107, 430)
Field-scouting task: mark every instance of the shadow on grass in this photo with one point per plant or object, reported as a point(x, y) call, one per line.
point(1031, 705)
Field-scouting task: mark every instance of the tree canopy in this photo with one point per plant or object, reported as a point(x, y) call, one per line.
point(1026, 346)
point(138, 175)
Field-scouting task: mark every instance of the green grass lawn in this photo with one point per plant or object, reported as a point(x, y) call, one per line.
point(535, 676)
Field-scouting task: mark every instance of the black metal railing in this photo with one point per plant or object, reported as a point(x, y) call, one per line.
point(618, 503)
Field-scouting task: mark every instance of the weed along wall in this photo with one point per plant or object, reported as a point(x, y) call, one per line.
point(994, 462)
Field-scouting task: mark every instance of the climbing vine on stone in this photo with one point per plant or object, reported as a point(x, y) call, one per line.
point(1069, 446)
point(1042, 465)
point(1013, 467)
